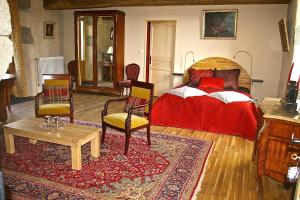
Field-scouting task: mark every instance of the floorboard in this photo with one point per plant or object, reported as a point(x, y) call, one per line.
point(230, 172)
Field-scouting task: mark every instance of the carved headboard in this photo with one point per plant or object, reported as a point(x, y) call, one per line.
point(221, 63)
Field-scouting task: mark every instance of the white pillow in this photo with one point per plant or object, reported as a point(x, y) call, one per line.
point(186, 91)
point(230, 96)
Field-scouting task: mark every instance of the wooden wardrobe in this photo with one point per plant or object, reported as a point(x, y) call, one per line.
point(99, 50)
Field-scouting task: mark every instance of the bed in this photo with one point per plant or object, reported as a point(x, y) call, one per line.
point(209, 114)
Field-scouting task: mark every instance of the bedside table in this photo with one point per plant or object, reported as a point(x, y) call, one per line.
point(274, 147)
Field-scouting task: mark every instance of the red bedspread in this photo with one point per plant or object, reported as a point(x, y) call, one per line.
point(206, 114)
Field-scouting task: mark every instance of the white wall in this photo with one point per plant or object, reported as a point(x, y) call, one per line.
point(34, 18)
point(257, 32)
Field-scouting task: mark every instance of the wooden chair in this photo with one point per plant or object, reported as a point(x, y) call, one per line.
point(56, 99)
point(132, 72)
point(73, 71)
point(129, 121)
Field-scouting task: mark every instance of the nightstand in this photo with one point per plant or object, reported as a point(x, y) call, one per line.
point(274, 147)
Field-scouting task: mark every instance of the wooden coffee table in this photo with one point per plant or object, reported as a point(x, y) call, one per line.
point(70, 135)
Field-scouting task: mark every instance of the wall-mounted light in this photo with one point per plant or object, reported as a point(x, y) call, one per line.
point(251, 59)
point(185, 56)
point(251, 66)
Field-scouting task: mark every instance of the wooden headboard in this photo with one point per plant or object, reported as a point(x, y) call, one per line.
point(221, 63)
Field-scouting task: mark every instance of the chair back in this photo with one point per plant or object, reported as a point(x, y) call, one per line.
point(143, 90)
point(132, 71)
point(72, 69)
point(57, 88)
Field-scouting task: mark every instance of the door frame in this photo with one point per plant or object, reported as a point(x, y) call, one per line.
point(148, 44)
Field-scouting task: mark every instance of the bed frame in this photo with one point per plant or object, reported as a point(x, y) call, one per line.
point(221, 63)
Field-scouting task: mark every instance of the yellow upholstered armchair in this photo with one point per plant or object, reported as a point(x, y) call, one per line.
point(56, 98)
point(136, 114)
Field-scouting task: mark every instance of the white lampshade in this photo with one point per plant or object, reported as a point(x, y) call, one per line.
point(110, 50)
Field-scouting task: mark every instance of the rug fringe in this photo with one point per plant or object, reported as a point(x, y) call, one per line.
point(198, 188)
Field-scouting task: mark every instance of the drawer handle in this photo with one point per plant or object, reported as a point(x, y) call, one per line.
point(295, 140)
point(295, 157)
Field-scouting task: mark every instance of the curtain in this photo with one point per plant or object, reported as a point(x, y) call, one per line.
point(20, 88)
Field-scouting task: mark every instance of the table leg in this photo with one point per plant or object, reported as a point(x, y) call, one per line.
point(95, 146)
point(76, 156)
point(9, 142)
point(32, 141)
point(7, 94)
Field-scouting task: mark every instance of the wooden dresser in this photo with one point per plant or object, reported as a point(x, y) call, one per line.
point(274, 147)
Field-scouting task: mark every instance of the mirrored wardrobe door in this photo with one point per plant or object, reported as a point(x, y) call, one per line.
point(105, 49)
point(85, 50)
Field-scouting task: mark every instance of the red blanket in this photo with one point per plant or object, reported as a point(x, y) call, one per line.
point(206, 114)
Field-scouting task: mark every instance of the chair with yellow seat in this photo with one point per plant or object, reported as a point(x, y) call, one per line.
point(56, 98)
point(136, 115)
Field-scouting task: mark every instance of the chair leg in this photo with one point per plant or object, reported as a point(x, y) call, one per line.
point(127, 137)
point(103, 134)
point(148, 135)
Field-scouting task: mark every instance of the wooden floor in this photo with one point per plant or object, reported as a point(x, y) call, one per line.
point(230, 173)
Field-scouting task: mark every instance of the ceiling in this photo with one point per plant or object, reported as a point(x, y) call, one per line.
point(79, 4)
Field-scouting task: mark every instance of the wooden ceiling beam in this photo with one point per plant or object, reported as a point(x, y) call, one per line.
point(80, 4)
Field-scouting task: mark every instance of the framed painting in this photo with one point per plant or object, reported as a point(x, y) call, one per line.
point(284, 35)
point(49, 30)
point(219, 24)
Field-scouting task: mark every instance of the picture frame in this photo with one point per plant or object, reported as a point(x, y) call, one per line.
point(49, 30)
point(282, 25)
point(219, 24)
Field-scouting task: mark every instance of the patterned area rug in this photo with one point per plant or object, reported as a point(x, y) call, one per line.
point(168, 169)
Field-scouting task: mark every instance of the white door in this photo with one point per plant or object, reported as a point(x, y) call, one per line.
point(162, 48)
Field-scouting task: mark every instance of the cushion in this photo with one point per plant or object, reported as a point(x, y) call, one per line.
point(195, 75)
point(141, 93)
point(186, 91)
point(135, 101)
point(56, 93)
point(230, 96)
point(54, 109)
point(118, 120)
point(231, 77)
point(211, 82)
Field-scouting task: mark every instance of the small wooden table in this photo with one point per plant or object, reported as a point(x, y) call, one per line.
point(70, 135)
point(5, 86)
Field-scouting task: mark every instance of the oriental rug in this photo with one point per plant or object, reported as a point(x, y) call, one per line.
point(170, 168)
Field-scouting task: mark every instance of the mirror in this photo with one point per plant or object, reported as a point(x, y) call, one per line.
point(105, 48)
point(100, 73)
point(85, 37)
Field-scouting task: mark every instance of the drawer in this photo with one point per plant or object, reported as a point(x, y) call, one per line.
point(297, 132)
point(281, 129)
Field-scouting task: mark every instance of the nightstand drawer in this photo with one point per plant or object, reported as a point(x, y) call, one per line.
point(280, 129)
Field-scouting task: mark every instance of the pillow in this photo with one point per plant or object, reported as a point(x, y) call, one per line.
point(56, 93)
point(135, 101)
point(186, 91)
point(211, 82)
point(231, 77)
point(195, 75)
point(230, 96)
